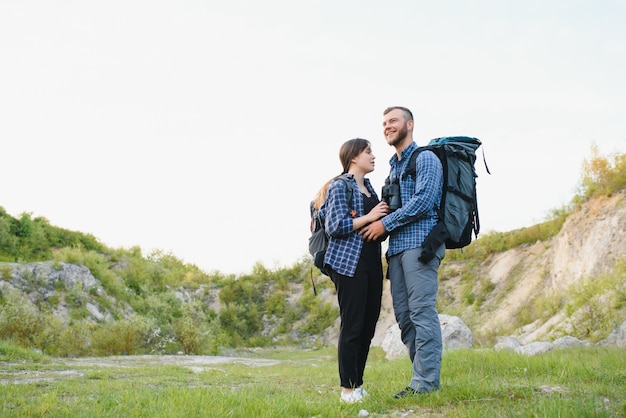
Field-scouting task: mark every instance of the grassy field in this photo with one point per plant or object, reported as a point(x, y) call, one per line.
point(575, 382)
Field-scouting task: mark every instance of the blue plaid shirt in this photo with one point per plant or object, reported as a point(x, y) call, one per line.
point(421, 196)
point(345, 245)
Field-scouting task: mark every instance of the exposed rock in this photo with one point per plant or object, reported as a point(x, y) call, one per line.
point(537, 347)
point(532, 349)
point(454, 335)
point(46, 275)
point(94, 311)
point(569, 341)
point(392, 343)
point(591, 240)
point(44, 280)
point(507, 343)
point(617, 337)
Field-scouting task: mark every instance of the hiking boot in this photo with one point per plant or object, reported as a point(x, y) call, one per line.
point(407, 391)
point(351, 397)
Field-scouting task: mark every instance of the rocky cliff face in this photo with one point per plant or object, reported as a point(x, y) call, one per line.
point(65, 283)
point(590, 244)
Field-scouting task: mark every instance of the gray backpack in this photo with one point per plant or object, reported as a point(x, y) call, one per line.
point(318, 241)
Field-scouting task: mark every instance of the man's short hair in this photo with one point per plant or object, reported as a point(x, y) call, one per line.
point(407, 112)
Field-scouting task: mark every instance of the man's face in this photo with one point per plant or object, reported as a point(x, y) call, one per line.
point(395, 127)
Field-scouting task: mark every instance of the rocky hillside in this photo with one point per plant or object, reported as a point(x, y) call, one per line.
point(537, 292)
point(573, 284)
point(550, 275)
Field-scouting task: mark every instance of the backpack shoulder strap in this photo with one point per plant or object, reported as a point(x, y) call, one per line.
point(411, 170)
point(316, 222)
point(347, 179)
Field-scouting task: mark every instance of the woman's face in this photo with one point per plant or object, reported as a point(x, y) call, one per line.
point(364, 162)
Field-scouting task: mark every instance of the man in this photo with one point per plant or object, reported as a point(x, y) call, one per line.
point(413, 283)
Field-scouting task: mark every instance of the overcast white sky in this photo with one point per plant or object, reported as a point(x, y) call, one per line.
point(204, 128)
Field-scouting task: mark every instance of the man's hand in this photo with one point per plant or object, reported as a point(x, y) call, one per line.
point(373, 231)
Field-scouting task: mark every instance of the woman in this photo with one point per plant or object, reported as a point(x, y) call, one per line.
point(355, 266)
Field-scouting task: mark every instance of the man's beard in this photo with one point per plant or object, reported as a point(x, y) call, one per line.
point(401, 135)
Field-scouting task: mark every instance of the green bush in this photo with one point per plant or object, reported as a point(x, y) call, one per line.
point(276, 304)
point(6, 272)
point(75, 340)
point(320, 317)
point(603, 175)
point(124, 337)
point(597, 305)
point(48, 340)
point(12, 353)
point(192, 329)
point(316, 314)
point(20, 320)
point(164, 308)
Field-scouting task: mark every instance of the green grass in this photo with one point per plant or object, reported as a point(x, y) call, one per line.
point(575, 382)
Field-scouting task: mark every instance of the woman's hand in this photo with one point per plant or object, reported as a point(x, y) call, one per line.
point(378, 212)
point(375, 214)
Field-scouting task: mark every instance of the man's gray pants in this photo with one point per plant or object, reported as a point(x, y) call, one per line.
point(414, 288)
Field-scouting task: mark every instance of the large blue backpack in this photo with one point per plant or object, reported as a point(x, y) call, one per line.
point(458, 213)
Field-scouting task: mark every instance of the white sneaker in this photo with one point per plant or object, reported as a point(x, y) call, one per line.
point(351, 397)
point(362, 391)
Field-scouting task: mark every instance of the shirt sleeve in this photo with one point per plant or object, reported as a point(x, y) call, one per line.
point(338, 220)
